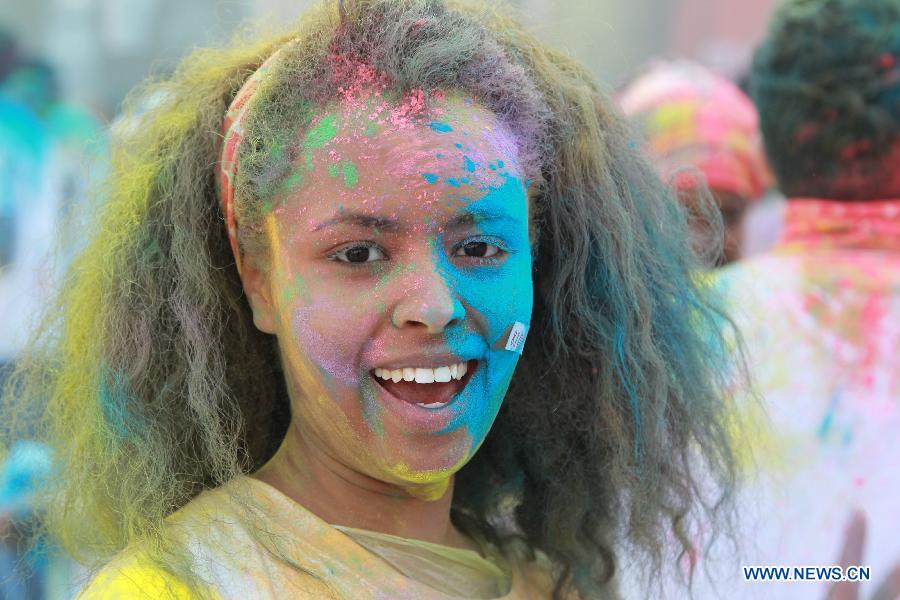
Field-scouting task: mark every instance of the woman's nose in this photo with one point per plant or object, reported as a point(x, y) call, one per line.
point(428, 300)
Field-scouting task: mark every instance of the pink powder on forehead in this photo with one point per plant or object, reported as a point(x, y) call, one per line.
point(356, 79)
point(358, 82)
point(407, 112)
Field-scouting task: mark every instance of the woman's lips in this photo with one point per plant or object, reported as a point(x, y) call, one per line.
point(428, 395)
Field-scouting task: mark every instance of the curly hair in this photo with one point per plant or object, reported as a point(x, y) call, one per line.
point(158, 386)
point(826, 82)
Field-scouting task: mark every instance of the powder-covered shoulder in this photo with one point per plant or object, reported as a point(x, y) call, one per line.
point(132, 576)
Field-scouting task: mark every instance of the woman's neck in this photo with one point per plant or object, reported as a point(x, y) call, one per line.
point(341, 496)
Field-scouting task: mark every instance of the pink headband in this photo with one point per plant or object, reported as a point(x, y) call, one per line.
point(233, 135)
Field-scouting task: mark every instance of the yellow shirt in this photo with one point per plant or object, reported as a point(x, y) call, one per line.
point(277, 549)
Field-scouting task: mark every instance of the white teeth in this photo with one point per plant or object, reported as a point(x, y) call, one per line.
point(442, 374)
point(433, 405)
point(424, 374)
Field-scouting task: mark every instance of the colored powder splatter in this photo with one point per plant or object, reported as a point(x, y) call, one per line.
point(430, 177)
point(113, 396)
point(440, 127)
point(469, 164)
point(371, 129)
point(299, 288)
point(351, 175)
point(322, 133)
point(453, 181)
point(828, 419)
point(477, 289)
point(403, 114)
point(333, 170)
point(291, 183)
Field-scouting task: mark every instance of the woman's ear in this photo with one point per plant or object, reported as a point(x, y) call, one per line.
point(257, 287)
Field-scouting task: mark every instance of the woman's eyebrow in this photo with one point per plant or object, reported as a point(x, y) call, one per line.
point(466, 219)
point(359, 220)
point(473, 217)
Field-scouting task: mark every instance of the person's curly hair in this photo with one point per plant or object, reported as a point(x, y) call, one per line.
point(826, 82)
point(158, 385)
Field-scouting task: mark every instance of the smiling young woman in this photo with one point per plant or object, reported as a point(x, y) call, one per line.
point(329, 394)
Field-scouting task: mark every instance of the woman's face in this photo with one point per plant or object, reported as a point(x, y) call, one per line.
point(400, 261)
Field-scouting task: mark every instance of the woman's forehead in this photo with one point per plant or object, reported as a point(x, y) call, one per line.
point(390, 122)
point(406, 157)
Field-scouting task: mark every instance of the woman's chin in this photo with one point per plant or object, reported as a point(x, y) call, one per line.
point(426, 474)
point(429, 492)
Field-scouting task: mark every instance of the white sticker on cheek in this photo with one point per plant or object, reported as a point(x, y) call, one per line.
point(516, 341)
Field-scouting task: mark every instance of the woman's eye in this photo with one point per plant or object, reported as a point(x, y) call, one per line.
point(359, 254)
point(478, 250)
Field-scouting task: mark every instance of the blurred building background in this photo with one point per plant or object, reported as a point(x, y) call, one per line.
point(101, 48)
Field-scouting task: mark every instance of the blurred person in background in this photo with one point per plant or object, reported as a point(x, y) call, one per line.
point(48, 150)
point(821, 311)
point(24, 208)
point(700, 131)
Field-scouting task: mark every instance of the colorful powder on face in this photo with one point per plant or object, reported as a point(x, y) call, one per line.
point(470, 282)
point(440, 127)
point(478, 290)
point(351, 175)
point(299, 289)
point(435, 482)
point(322, 133)
point(291, 183)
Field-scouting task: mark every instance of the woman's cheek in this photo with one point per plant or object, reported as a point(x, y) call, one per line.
point(332, 337)
point(509, 298)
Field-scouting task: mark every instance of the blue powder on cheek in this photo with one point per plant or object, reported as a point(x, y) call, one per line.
point(440, 127)
point(468, 164)
point(499, 295)
point(431, 177)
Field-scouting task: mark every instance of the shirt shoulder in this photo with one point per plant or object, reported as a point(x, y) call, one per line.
point(134, 576)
